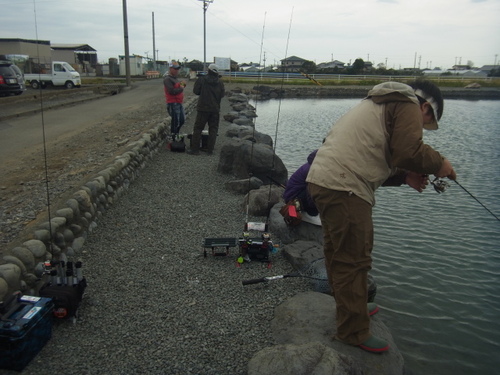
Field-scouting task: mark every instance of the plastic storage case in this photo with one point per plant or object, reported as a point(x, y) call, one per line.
point(25, 327)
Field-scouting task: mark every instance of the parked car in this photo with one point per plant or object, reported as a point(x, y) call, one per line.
point(20, 76)
point(9, 83)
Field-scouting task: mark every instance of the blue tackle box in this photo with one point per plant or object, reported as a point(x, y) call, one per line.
point(25, 327)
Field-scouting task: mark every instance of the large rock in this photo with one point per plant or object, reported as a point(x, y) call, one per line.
point(302, 252)
point(261, 200)
point(231, 116)
point(309, 317)
point(307, 359)
point(243, 186)
point(238, 98)
point(307, 257)
point(303, 231)
point(249, 133)
point(243, 158)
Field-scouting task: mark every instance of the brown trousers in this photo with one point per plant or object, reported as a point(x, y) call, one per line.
point(348, 241)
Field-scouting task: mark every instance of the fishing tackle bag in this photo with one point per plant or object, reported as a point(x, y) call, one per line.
point(25, 328)
point(177, 144)
point(66, 298)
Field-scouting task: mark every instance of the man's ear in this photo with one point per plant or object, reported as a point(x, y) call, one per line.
point(426, 109)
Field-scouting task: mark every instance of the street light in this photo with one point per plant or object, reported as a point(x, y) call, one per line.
point(205, 7)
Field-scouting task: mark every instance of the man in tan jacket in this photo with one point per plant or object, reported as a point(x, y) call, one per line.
point(378, 142)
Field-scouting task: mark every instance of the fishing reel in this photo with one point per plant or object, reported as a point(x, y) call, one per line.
point(440, 185)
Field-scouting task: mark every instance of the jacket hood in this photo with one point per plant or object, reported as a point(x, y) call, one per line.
point(392, 91)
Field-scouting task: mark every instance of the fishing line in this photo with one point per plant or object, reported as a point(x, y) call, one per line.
point(246, 26)
point(281, 87)
point(43, 133)
point(254, 124)
point(477, 200)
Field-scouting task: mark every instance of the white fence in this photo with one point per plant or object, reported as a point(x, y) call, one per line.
point(345, 77)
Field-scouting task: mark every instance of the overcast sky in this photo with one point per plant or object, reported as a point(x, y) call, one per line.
point(403, 33)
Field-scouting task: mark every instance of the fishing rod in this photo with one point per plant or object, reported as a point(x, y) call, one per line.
point(44, 139)
point(477, 200)
point(276, 182)
point(440, 186)
point(311, 78)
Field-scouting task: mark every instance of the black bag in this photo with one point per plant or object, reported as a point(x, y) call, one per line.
point(177, 145)
point(66, 298)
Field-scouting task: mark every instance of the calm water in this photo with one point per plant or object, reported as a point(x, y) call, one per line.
point(436, 256)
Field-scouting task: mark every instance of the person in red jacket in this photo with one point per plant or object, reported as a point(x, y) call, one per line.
point(174, 95)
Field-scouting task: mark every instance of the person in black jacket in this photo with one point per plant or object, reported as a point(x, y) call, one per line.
point(211, 91)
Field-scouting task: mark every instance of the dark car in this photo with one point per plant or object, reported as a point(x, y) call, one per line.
point(20, 76)
point(9, 82)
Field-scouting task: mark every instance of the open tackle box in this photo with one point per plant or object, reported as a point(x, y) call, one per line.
point(25, 327)
point(252, 246)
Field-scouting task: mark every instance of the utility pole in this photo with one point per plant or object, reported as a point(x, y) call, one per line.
point(154, 48)
point(205, 7)
point(125, 38)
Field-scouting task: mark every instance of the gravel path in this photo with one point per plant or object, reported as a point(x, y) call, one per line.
point(154, 304)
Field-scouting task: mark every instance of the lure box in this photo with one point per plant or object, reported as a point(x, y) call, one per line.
point(25, 327)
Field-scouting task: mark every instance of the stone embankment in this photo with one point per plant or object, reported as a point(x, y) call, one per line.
point(64, 235)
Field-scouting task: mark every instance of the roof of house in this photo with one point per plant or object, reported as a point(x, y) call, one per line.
point(294, 58)
point(489, 67)
point(72, 47)
point(331, 64)
point(24, 40)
